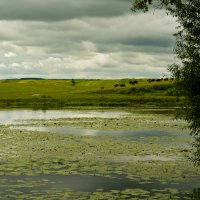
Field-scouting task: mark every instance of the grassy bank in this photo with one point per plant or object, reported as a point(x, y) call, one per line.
point(63, 93)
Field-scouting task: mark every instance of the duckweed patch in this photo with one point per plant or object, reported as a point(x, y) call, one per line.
point(39, 154)
point(47, 165)
point(131, 121)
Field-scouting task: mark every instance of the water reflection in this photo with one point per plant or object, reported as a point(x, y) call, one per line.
point(93, 132)
point(147, 110)
point(88, 183)
point(10, 116)
point(194, 195)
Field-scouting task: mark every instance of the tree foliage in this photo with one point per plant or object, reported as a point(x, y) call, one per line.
point(187, 49)
point(73, 82)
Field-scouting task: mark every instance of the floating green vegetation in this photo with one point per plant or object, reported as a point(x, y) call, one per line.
point(34, 153)
point(132, 121)
point(43, 165)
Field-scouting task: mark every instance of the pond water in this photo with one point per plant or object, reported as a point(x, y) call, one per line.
point(93, 132)
point(53, 180)
point(89, 184)
point(19, 115)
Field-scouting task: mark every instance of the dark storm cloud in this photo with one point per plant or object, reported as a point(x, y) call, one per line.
point(159, 41)
point(107, 34)
point(82, 39)
point(53, 10)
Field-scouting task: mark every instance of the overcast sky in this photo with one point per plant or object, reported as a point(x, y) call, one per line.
point(83, 39)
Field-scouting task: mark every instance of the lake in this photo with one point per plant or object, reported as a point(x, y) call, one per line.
point(96, 154)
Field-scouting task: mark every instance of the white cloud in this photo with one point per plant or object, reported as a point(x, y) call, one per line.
point(2, 66)
point(15, 65)
point(89, 46)
point(127, 45)
point(10, 55)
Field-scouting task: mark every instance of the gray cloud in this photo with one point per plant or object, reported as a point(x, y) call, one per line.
point(91, 39)
point(53, 10)
point(159, 41)
point(116, 32)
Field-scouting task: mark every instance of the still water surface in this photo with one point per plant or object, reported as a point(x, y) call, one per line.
point(87, 183)
point(18, 115)
point(93, 132)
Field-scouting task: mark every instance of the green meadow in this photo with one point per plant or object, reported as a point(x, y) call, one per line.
point(63, 93)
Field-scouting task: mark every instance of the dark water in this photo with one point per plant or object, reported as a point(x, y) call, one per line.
point(86, 183)
point(92, 132)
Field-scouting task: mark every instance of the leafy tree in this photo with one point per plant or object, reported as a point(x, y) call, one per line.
point(73, 82)
point(187, 49)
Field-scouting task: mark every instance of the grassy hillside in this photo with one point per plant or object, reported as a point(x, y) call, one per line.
point(61, 93)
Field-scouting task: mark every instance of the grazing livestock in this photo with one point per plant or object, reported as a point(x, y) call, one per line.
point(133, 82)
point(116, 85)
point(159, 79)
point(102, 88)
point(151, 80)
point(121, 85)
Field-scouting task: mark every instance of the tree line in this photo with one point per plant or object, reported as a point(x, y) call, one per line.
point(187, 49)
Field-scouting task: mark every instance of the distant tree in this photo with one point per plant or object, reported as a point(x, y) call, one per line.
point(73, 82)
point(187, 49)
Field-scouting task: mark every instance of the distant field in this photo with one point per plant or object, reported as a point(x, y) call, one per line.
point(62, 93)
